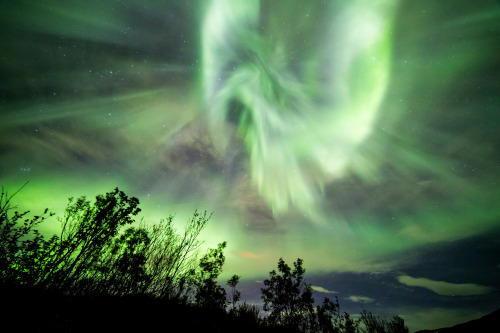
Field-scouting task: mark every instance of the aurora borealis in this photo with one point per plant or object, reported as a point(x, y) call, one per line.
point(360, 136)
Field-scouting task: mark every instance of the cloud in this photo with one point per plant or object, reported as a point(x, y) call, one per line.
point(322, 290)
point(248, 255)
point(361, 299)
point(445, 288)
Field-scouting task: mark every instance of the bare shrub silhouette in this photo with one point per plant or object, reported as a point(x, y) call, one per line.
point(172, 259)
point(101, 260)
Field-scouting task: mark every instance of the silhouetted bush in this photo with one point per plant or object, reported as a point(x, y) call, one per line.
point(172, 259)
point(21, 244)
point(208, 293)
point(100, 266)
point(288, 297)
point(374, 324)
point(89, 256)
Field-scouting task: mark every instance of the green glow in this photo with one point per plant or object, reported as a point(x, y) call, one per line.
point(340, 133)
point(352, 134)
point(300, 133)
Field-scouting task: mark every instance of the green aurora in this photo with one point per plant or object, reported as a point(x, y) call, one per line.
point(348, 134)
point(300, 111)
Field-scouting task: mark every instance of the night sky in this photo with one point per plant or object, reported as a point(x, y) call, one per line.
point(361, 136)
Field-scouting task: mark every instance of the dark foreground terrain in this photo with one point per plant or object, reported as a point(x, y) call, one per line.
point(36, 311)
point(488, 323)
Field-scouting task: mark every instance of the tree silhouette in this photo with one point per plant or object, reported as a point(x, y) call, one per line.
point(71, 261)
point(328, 316)
point(397, 325)
point(288, 297)
point(122, 266)
point(94, 254)
point(172, 258)
point(20, 242)
point(209, 294)
point(374, 324)
point(235, 294)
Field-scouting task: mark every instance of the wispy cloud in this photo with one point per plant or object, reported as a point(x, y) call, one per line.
point(322, 290)
point(248, 255)
point(445, 288)
point(361, 299)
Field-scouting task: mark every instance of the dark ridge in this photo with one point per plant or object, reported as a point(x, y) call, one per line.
point(483, 324)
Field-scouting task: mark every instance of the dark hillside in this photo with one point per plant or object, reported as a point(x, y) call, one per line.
point(30, 310)
point(483, 324)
